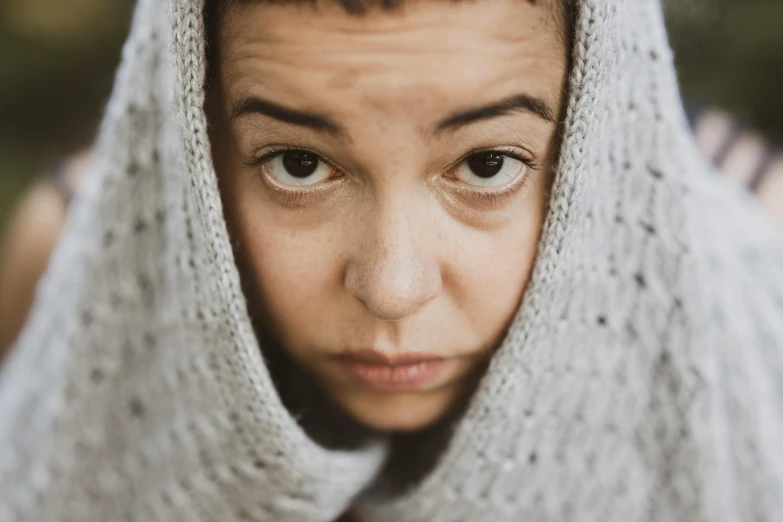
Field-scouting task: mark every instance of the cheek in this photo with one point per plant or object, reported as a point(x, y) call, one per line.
point(493, 283)
point(491, 269)
point(294, 273)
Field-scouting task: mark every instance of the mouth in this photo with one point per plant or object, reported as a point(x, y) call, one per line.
point(397, 373)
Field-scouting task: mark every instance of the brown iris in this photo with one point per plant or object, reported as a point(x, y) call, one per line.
point(300, 163)
point(485, 164)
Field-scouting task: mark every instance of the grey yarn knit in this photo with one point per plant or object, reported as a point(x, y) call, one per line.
point(642, 379)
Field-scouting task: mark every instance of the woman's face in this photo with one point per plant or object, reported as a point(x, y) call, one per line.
point(385, 178)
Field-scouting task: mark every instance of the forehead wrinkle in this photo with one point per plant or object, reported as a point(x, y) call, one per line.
point(261, 59)
point(287, 90)
point(370, 45)
point(556, 10)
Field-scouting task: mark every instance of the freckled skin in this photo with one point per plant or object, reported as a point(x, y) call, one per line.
point(390, 255)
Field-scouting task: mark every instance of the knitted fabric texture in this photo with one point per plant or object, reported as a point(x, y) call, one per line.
point(641, 380)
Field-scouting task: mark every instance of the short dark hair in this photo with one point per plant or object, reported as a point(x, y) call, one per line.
point(355, 7)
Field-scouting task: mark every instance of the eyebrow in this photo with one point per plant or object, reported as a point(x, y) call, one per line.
point(517, 103)
point(320, 122)
point(312, 120)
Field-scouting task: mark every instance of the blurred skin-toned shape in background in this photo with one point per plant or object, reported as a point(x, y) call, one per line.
point(746, 156)
point(29, 240)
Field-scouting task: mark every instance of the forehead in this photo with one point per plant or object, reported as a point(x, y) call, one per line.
point(419, 26)
point(428, 54)
point(560, 11)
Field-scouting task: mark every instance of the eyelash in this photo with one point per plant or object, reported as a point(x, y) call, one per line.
point(272, 152)
point(288, 195)
point(491, 198)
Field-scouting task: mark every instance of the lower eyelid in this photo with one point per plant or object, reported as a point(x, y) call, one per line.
point(503, 192)
point(304, 192)
point(299, 194)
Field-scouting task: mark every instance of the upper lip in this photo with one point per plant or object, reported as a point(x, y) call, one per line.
point(385, 359)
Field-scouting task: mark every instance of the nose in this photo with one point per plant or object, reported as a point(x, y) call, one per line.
point(395, 271)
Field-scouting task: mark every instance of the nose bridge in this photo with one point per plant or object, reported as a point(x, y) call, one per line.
point(395, 270)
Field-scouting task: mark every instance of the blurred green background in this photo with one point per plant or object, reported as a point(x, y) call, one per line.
point(57, 60)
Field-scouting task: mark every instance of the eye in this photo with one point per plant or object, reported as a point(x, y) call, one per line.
point(490, 169)
point(297, 168)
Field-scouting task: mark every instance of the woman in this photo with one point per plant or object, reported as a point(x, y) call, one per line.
point(742, 154)
point(486, 276)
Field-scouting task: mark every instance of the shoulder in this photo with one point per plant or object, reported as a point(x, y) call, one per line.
point(24, 255)
point(69, 175)
point(770, 191)
point(28, 241)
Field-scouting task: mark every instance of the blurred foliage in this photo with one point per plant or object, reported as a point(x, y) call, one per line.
point(730, 54)
point(57, 61)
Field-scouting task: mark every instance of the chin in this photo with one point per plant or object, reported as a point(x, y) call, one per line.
point(403, 412)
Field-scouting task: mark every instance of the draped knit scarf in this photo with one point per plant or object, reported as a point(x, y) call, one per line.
point(641, 379)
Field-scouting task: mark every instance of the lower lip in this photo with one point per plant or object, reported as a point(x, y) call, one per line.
point(394, 378)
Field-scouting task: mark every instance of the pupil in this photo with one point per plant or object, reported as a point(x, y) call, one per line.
point(486, 164)
point(299, 163)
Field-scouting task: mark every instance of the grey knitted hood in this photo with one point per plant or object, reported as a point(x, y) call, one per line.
point(642, 378)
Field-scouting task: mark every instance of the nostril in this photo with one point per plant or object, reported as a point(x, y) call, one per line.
point(391, 308)
point(395, 268)
point(393, 292)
